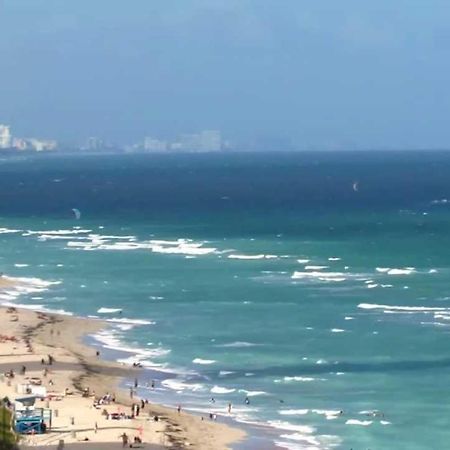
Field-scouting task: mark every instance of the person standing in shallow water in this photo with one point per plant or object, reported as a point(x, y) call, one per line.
point(229, 408)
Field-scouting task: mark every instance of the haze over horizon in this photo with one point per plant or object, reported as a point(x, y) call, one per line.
point(322, 74)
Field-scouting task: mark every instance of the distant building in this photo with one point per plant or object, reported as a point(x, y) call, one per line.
point(154, 145)
point(5, 137)
point(211, 141)
point(41, 145)
point(205, 141)
point(20, 144)
point(94, 143)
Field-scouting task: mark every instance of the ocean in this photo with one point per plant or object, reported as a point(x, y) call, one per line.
point(315, 285)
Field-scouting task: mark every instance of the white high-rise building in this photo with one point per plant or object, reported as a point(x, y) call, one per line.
point(5, 136)
point(154, 145)
point(211, 141)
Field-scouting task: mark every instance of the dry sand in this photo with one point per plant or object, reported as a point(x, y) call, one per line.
point(77, 367)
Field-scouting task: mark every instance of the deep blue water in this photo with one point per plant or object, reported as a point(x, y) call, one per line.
point(271, 276)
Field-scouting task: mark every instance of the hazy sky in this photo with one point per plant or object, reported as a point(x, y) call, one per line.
point(363, 73)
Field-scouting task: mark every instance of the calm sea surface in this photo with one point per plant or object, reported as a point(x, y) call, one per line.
point(316, 285)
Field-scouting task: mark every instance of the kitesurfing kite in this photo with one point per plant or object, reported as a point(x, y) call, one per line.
point(76, 213)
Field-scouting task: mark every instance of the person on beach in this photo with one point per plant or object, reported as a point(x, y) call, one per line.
point(153, 384)
point(136, 383)
point(131, 392)
point(229, 408)
point(247, 401)
point(213, 400)
point(179, 409)
point(124, 437)
point(142, 404)
point(24, 369)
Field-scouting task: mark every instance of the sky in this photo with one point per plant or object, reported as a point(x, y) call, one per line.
point(319, 73)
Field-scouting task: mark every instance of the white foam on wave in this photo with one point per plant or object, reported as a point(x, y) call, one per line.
point(21, 265)
point(321, 276)
point(303, 261)
point(203, 361)
point(224, 373)
point(349, 318)
point(293, 412)
point(9, 231)
point(124, 243)
point(287, 426)
point(253, 393)
point(111, 339)
point(221, 390)
point(105, 310)
point(382, 269)
point(371, 306)
point(337, 330)
point(405, 271)
point(363, 423)
point(245, 257)
point(180, 386)
point(238, 344)
point(298, 378)
point(440, 201)
point(316, 267)
point(330, 414)
point(131, 321)
point(334, 258)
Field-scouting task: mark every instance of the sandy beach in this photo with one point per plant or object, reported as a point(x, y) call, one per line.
point(29, 338)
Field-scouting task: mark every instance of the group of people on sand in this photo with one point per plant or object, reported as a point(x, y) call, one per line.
point(126, 440)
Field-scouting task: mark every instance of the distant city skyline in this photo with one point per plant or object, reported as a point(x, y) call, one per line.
point(322, 74)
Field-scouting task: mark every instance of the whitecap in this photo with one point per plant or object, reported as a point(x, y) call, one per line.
point(21, 265)
point(303, 261)
point(181, 386)
point(221, 390)
point(253, 393)
point(298, 378)
point(334, 258)
point(316, 267)
point(370, 306)
point(237, 344)
point(224, 373)
point(321, 276)
point(246, 256)
point(349, 318)
point(337, 330)
point(329, 414)
point(382, 269)
point(293, 412)
point(108, 310)
point(203, 361)
point(131, 321)
point(364, 423)
point(405, 271)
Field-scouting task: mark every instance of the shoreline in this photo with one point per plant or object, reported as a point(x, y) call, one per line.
point(77, 367)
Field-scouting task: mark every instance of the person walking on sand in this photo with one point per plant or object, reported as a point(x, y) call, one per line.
point(179, 409)
point(124, 437)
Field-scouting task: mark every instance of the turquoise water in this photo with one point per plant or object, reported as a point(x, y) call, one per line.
point(265, 276)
